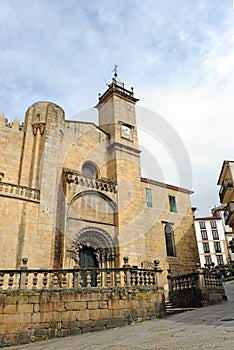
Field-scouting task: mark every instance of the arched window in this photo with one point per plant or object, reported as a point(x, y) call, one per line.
point(89, 170)
point(169, 237)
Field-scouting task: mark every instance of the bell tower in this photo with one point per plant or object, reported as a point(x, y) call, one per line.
point(117, 117)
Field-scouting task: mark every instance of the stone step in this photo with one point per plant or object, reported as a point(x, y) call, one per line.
point(171, 309)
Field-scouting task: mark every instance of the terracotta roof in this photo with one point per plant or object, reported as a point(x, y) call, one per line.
point(209, 218)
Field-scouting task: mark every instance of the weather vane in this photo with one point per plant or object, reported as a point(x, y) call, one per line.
point(115, 70)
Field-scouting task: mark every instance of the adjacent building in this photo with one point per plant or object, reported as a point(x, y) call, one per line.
point(211, 241)
point(72, 193)
point(226, 195)
point(220, 211)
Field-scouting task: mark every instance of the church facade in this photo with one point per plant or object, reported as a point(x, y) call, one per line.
point(71, 193)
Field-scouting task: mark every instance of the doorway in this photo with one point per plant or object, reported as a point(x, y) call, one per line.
point(88, 260)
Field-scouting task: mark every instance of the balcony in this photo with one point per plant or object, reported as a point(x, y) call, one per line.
point(229, 214)
point(226, 193)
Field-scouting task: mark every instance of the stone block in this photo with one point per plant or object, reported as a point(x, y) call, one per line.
point(79, 305)
point(105, 313)
point(65, 332)
point(24, 308)
point(69, 316)
point(44, 307)
point(83, 315)
point(36, 307)
point(9, 309)
point(40, 332)
point(75, 331)
point(59, 307)
point(9, 339)
point(51, 333)
point(116, 322)
point(92, 305)
point(95, 314)
point(103, 304)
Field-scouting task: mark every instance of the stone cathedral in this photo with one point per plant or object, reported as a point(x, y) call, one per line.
point(71, 193)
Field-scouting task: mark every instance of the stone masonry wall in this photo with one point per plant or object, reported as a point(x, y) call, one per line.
point(27, 316)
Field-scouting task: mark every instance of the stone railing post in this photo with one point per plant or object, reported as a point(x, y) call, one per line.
point(201, 280)
point(127, 272)
point(169, 276)
point(76, 277)
point(23, 275)
point(158, 272)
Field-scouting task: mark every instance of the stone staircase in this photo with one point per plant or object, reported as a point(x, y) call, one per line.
point(171, 309)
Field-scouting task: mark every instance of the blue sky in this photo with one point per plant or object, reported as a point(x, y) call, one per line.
point(178, 55)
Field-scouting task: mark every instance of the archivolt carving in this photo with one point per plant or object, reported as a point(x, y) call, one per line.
point(100, 241)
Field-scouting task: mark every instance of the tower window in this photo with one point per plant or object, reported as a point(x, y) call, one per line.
point(89, 170)
point(170, 242)
point(149, 201)
point(172, 204)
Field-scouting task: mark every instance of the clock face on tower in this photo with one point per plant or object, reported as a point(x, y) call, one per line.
point(126, 131)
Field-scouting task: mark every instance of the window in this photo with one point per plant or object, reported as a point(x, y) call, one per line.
point(172, 204)
point(169, 237)
point(217, 247)
point(89, 170)
point(215, 234)
point(206, 247)
point(148, 193)
point(219, 259)
point(213, 224)
point(204, 235)
point(208, 259)
point(202, 224)
point(1, 176)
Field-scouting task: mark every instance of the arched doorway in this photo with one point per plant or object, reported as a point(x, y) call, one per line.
point(87, 259)
point(94, 248)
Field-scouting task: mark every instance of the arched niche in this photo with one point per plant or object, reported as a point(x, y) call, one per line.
point(92, 206)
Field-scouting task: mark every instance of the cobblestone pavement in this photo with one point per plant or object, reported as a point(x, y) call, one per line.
point(205, 328)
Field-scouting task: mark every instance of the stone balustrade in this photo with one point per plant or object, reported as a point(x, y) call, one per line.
point(78, 278)
point(17, 191)
point(76, 178)
point(202, 287)
point(183, 282)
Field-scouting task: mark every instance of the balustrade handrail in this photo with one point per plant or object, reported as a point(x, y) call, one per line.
point(103, 269)
point(76, 277)
point(204, 278)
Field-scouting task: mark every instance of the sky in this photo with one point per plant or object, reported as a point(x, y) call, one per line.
point(177, 54)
